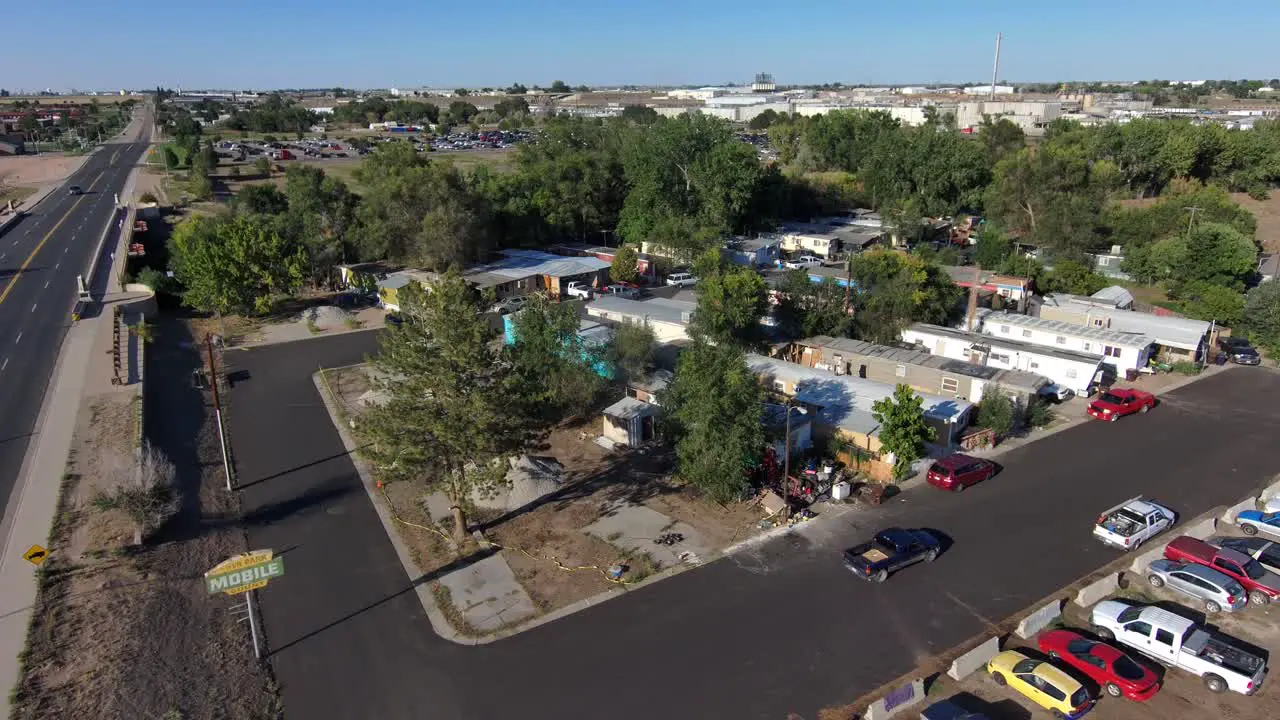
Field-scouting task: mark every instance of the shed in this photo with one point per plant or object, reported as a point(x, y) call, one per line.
point(630, 422)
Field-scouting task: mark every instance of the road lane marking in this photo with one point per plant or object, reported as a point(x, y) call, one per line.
point(46, 284)
point(57, 265)
point(27, 263)
point(4, 364)
point(18, 339)
point(33, 307)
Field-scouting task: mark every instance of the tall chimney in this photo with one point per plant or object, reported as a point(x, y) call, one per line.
point(973, 298)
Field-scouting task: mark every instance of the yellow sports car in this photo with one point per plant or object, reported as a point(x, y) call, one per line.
point(1044, 684)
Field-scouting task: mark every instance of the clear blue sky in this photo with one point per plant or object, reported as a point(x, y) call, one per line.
point(91, 44)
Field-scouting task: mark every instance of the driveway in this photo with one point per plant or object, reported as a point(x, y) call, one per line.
point(782, 628)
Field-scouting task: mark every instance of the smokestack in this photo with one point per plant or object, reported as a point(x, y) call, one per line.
point(995, 71)
point(973, 298)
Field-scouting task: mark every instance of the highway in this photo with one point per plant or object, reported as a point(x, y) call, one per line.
point(782, 628)
point(40, 257)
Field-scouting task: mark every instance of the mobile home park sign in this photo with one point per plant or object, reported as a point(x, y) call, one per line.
point(243, 573)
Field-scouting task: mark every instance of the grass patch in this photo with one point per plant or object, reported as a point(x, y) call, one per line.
point(444, 600)
point(15, 193)
point(1185, 367)
point(352, 323)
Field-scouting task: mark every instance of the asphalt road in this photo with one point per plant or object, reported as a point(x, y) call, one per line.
point(40, 257)
point(781, 629)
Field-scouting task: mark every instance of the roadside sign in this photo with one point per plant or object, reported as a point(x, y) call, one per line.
point(35, 555)
point(243, 573)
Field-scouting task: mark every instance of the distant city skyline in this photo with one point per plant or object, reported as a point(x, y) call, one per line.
point(661, 43)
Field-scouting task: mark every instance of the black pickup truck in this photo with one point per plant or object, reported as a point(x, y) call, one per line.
point(891, 550)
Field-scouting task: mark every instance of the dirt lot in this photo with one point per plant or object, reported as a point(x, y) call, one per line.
point(556, 562)
point(125, 631)
point(1268, 214)
point(31, 171)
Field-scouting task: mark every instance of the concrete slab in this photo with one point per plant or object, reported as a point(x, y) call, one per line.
point(896, 700)
point(487, 594)
point(635, 527)
point(972, 661)
point(1202, 529)
point(1097, 591)
point(1140, 562)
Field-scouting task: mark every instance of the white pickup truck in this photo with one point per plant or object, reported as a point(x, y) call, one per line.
point(1178, 642)
point(578, 288)
point(1131, 523)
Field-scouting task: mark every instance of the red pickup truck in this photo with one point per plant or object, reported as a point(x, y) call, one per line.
point(1114, 403)
point(1262, 584)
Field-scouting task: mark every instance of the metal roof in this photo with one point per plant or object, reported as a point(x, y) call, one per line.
point(629, 407)
point(1178, 332)
point(998, 341)
point(1115, 295)
point(520, 264)
point(921, 358)
point(1116, 337)
point(655, 309)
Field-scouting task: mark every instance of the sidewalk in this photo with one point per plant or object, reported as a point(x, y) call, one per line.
point(35, 498)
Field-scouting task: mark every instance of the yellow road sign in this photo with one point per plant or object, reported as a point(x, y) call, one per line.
point(246, 588)
point(237, 562)
point(36, 555)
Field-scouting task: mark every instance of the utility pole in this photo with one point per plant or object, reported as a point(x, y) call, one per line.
point(995, 71)
point(1193, 209)
point(786, 466)
point(217, 411)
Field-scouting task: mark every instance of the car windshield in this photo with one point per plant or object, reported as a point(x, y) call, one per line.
point(1079, 698)
point(1254, 570)
point(1129, 614)
point(1126, 668)
point(1112, 398)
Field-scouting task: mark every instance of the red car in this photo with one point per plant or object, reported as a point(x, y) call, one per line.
point(1262, 584)
point(1118, 674)
point(959, 471)
point(1114, 403)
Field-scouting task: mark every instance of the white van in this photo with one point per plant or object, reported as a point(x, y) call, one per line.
point(681, 279)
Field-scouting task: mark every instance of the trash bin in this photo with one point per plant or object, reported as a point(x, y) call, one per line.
point(841, 490)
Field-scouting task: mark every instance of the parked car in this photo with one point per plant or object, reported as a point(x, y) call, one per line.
point(949, 710)
point(891, 550)
point(619, 290)
point(577, 288)
point(1239, 351)
point(1178, 642)
point(1131, 523)
point(1266, 552)
point(1253, 522)
point(1056, 393)
point(509, 305)
point(1115, 672)
point(1116, 403)
point(1262, 584)
point(959, 471)
point(804, 261)
point(74, 190)
point(1216, 591)
point(1042, 683)
point(681, 279)
point(1271, 505)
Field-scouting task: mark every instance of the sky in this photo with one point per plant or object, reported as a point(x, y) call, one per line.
point(236, 44)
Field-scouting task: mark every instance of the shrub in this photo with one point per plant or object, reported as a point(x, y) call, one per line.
point(1186, 367)
point(996, 411)
point(1039, 413)
point(143, 491)
point(148, 197)
point(154, 279)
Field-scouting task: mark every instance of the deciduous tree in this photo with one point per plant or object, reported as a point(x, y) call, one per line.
point(632, 349)
point(553, 373)
point(903, 430)
point(1262, 315)
point(892, 290)
point(625, 266)
point(235, 265)
point(713, 408)
point(730, 307)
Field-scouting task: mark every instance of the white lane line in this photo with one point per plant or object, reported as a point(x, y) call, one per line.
point(18, 339)
point(4, 364)
point(2, 255)
point(33, 307)
point(57, 265)
point(46, 284)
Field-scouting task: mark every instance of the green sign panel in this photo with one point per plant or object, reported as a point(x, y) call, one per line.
point(243, 577)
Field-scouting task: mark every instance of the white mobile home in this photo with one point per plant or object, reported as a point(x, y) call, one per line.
point(1076, 370)
point(1122, 350)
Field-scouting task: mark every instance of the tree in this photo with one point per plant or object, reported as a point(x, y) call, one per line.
point(260, 198)
point(807, 308)
point(263, 166)
point(632, 348)
point(992, 248)
point(198, 182)
point(1217, 254)
point(236, 265)
point(1206, 301)
point(730, 306)
point(1262, 316)
point(1000, 138)
point(713, 408)
point(996, 411)
point(903, 430)
point(552, 372)
point(891, 290)
point(559, 87)
point(169, 157)
point(321, 211)
point(639, 114)
point(517, 89)
point(1069, 276)
point(764, 120)
point(446, 422)
point(625, 266)
point(462, 92)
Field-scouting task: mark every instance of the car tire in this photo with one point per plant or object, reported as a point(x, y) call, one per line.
point(931, 556)
point(1136, 544)
point(1212, 607)
point(1155, 581)
point(998, 679)
point(1259, 598)
point(1114, 418)
point(1248, 529)
point(1104, 633)
point(959, 487)
point(1113, 690)
point(1215, 683)
point(1058, 713)
point(1053, 655)
point(1145, 408)
point(880, 576)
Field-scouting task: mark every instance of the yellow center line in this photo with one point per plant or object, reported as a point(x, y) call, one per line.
point(17, 275)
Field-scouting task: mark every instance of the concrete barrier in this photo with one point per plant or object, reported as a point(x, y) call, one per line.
point(1039, 620)
point(896, 700)
point(965, 665)
point(1140, 563)
point(1096, 591)
point(1202, 529)
point(1230, 515)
